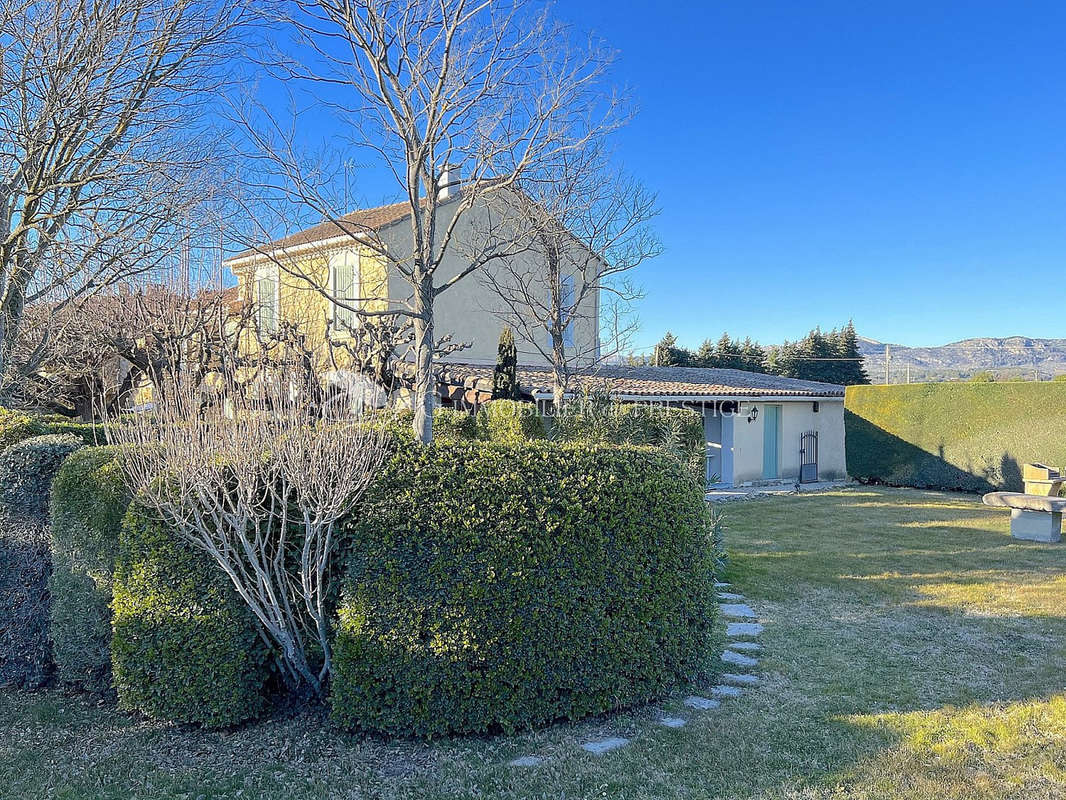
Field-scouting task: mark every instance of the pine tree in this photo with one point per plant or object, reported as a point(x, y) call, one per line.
point(505, 375)
point(705, 356)
point(852, 371)
point(668, 353)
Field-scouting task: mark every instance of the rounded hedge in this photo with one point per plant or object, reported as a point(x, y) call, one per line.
point(185, 647)
point(89, 499)
point(505, 586)
point(26, 471)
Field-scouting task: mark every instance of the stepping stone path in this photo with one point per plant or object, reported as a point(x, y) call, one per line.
point(731, 605)
point(701, 703)
point(743, 629)
point(740, 680)
point(737, 610)
point(526, 761)
point(727, 691)
point(601, 746)
point(739, 659)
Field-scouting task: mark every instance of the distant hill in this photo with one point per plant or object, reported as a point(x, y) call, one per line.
point(1011, 357)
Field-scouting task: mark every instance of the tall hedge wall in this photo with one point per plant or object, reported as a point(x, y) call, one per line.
point(184, 647)
point(968, 436)
point(505, 586)
point(89, 499)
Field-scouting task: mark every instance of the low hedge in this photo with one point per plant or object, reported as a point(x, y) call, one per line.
point(17, 426)
point(678, 431)
point(449, 424)
point(185, 647)
point(89, 499)
point(505, 586)
point(26, 471)
point(509, 422)
point(957, 436)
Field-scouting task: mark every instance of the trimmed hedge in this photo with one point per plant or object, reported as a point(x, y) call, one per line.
point(89, 499)
point(505, 586)
point(449, 424)
point(185, 647)
point(960, 436)
point(17, 426)
point(509, 422)
point(26, 472)
point(679, 431)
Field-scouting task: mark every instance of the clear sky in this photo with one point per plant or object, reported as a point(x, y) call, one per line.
point(900, 163)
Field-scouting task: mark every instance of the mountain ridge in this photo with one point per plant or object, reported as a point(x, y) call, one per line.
point(1004, 356)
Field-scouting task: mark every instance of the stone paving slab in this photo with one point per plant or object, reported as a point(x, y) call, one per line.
point(701, 703)
point(601, 746)
point(740, 610)
point(727, 691)
point(730, 596)
point(739, 659)
point(672, 722)
point(739, 679)
point(749, 646)
point(743, 629)
point(526, 761)
point(721, 585)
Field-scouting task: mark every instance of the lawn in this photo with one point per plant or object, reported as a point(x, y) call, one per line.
point(912, 649)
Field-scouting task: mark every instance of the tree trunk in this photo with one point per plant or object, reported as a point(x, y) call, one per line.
point(558, 369)
point(423, 384)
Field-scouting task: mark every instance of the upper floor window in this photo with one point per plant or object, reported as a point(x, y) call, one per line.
point(266, 297)
point(344, 278)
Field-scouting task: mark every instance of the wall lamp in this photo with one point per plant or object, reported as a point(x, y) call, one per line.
point(753, 414)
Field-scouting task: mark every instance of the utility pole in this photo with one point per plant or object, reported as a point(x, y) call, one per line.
point(888, 359)
point(908, 373)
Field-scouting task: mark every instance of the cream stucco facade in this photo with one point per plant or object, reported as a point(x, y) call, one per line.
point(300, 282)
point(740, 443)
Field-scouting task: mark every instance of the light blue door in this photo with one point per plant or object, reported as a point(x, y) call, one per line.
point(770, 443)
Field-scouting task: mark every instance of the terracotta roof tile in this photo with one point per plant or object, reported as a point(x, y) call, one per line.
point(361, 221)
point(657, 381)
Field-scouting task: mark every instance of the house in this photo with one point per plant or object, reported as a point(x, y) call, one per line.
point(755, 425)
point(295, 278)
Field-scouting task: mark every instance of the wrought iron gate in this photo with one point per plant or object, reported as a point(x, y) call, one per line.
point(809, 457)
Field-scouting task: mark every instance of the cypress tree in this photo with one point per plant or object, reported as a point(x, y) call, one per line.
point(505, 375)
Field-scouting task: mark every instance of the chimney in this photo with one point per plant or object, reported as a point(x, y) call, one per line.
point(448, 182)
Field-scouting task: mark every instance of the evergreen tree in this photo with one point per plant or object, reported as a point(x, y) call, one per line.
point(668, 353)
point(705, 356)
point(851, 371)
point(505, 375)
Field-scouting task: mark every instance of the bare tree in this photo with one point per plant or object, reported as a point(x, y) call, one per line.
point(587, 227)
point(261, 490)
point(102, 150)
point(434, 89)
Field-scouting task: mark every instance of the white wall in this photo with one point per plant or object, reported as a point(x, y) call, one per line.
point(797, 416)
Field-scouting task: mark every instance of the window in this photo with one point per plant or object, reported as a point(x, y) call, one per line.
point(345, 278)
point(566, 309)
point(266, 296)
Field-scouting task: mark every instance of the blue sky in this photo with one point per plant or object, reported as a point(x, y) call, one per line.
point(899, 163)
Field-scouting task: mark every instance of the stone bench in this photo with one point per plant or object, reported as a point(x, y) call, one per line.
point(1037, 518)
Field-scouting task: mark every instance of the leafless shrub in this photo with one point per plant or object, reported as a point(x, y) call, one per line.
point(261, 485)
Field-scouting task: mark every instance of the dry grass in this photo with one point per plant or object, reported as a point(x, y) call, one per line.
point(912, 650)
